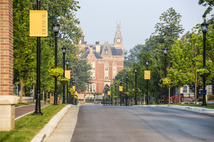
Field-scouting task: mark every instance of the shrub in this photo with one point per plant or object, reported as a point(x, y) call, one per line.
point(56, 72)
point(64, 79)
point(200, 99)
point(211, 97)
point(202, 71)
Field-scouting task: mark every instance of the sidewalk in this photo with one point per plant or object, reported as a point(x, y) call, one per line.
point(24, 110)
point(65, 128)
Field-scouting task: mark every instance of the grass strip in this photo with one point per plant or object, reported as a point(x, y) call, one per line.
point(28, 126)
point(23, 104)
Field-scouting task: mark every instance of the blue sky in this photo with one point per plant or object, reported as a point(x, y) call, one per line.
point(98, 18)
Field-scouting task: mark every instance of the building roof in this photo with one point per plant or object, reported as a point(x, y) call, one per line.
point(85, 55)
point(97, 55)
point(117, 52)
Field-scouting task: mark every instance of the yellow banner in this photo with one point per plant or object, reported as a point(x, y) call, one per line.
point(38, 23)
point(103, 94)
point(120, 88)
point(109, 92)
point(74, 87)
point(147, 74)
point(68, 74)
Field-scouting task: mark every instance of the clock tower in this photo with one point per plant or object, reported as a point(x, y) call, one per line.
point(118, 40)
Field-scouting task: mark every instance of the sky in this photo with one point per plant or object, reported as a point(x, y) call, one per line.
point(98, 18)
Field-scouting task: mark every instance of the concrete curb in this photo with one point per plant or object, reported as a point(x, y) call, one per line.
point(48, 129)
point(187, 108)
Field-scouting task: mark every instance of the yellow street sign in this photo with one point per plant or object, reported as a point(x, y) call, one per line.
point(38, 23)
point(68, 74)
point(147, 74)
point(120, 88)
point(103, 94)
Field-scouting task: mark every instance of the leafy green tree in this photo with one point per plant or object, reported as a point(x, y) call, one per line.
point(209, 3)
point(24, 51)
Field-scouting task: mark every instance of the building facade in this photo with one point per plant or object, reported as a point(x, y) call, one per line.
point(107, 60)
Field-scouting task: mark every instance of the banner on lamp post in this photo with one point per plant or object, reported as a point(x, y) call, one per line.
point(68, 74)
point(147, 74)
point(38, 23)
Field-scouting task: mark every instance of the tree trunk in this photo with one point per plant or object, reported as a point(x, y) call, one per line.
point(33, 89)
point(21, 90)
point(169, 95)
point(43, 96)
point(47, 98)
point(179, 100)
point(196, 86)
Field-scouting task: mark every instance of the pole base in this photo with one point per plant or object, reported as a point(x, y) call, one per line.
point(37, 113)
point(203, 104)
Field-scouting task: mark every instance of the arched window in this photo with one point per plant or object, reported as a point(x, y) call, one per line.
point(114, 70)
point(106, 51)
point(106, 70)
point(93, 65)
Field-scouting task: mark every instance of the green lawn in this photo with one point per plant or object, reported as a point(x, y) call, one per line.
point(211, 106)
point(22, 104)
point(28, 126)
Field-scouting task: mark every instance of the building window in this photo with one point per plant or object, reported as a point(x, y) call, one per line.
point(92, 88)
point(93, 75)
point(185, 89)
point(114, 70)
point(106, 51)
point(106, 71)
point(93, 65)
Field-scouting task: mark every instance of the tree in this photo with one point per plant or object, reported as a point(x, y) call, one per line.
point(209, 3)
point(24, 51)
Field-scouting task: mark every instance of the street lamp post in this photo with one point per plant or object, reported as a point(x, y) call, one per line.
point(63, 51)
point(135, 71)
point(147, 82)
point(74, 87)
point(111, 95)
point(165, 55)
point(115, 85)
point(37, 95)
point(204, 27)
point(56, 28)
point(120, 90)
point(67, 63)
point(71, 79)
point(127, 77)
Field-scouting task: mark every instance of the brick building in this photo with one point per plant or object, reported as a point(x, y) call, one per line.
point(107, 61)
point(7, 100)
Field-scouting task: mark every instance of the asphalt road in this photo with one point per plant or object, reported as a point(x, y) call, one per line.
point(141, 124)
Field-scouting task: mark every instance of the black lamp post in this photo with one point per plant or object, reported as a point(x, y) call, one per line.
point(56, 28)
point(147, 82)
point(37, 94)
point(135, 71)
point(71, 79)
point(204, 27)
point(127, 77)
point(111, 95)
point(63, 51)
point(165, 50)
point(67, 63)
point(120, 90)
point(115, 85)
point(74, 87)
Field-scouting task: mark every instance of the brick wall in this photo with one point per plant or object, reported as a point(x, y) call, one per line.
point(6, 47)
